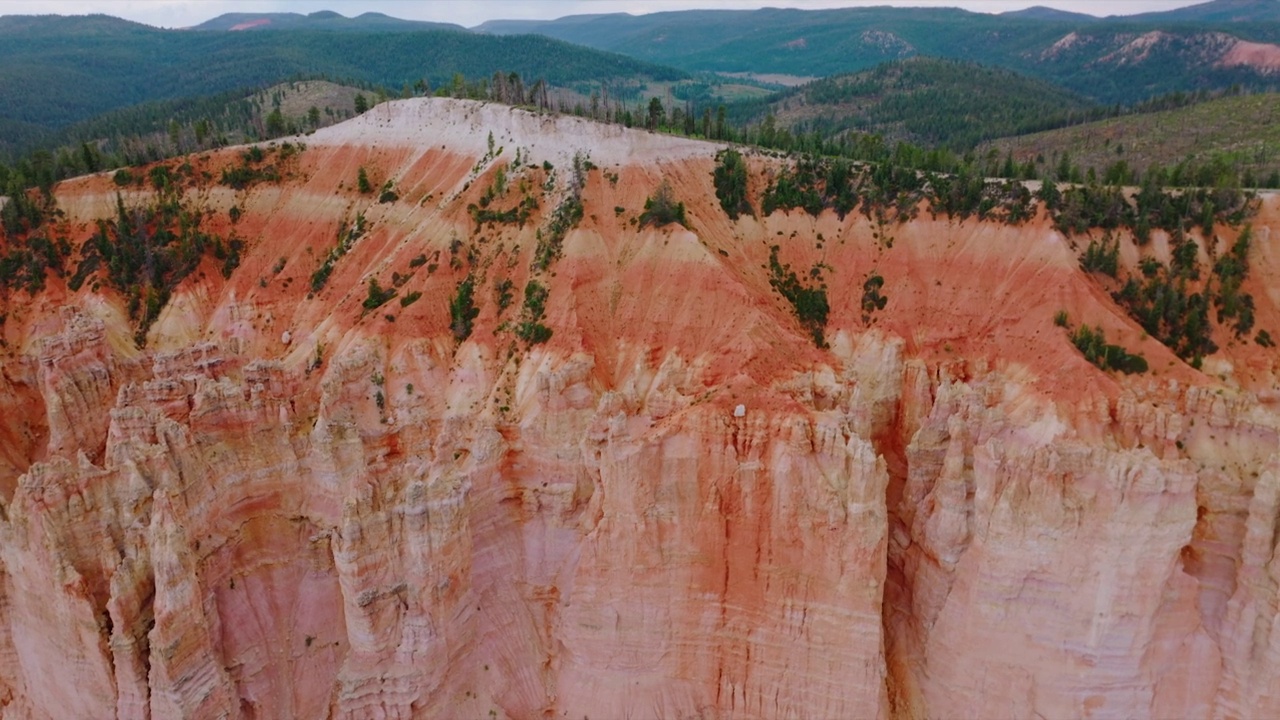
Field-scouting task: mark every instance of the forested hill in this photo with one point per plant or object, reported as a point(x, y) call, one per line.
point(1040, 12)
point(1230, 134)
point(1113, 60)
point(55, 71)
point(925, 101)
point(1228, 11)
point(323, 20)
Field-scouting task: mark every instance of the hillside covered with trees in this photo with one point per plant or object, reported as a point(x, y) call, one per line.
point(1114, 60)
point(43, 65)
point(1234, 133)
point(926, 101)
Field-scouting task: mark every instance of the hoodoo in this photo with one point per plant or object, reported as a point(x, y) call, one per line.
point(459, 410)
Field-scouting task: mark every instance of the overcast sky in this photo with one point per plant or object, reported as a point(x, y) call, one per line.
point(184, 13)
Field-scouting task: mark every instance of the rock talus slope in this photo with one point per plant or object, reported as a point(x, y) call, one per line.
point(290, 504)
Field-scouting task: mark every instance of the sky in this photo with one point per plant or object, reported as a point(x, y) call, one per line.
point(185, 13)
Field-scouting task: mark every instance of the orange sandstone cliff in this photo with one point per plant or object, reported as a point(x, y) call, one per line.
point(287, 505)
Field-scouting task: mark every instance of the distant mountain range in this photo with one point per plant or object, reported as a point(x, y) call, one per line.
point(1040, 12)
point(55, 71)
point(323, 20)
point(1219, 11)
point(1110, 60)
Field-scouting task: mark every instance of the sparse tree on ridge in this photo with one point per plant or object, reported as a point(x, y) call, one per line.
point(657, 114)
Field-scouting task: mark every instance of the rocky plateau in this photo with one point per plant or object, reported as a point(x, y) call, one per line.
point(288, 504)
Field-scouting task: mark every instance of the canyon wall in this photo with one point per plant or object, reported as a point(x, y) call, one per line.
point(289, 504)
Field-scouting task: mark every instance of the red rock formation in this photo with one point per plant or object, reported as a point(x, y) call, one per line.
point(286, 506)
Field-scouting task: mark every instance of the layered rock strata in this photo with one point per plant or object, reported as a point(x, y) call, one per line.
point(290, 505)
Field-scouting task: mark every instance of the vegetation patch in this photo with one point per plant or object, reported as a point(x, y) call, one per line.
point(1092, 343)
point(29, 250)
point(872, 300)
point(1167, 304)
point(801, 187)
point(517, 215)
point(1231, 270)
point(1081, 208)
point(250, 170)
point(530, 329)
point(1172, 301)
point(808, 300)
point(347, 237)
point(463, 310)
point(504, 294)
point(566, 217)
point(147, 251)
point(27, 259)
point(929, 101)
point(377, 297)
point(1102, 256)
point(1192, 138)
point(388, 193)
point(730, 178)
point(662, 208)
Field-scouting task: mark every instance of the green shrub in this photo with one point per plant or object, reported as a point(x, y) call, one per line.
point(462, 309)
point(1232, 269)
point(230, 257)
point(661, 208)
point(242, 176)
point(533, 333)
point(808, 302)
point(347, 237)
point(730, 177)
point(567, 215)
point(160, 177)
point(378, 296)
point(1092, 343)
point(388, 193)
point(530, 329)
point(872, 300)
point(504, 293)
point(796, 187)
point(1102, 257)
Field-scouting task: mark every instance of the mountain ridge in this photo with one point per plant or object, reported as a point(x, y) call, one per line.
point(827, 42)
point(41, 63)
point(320, 20)
point(929, 102)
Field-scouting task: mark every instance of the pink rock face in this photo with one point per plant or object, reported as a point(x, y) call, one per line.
point(285, 506)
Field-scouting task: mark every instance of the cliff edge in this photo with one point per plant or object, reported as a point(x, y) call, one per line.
point(418, 416)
